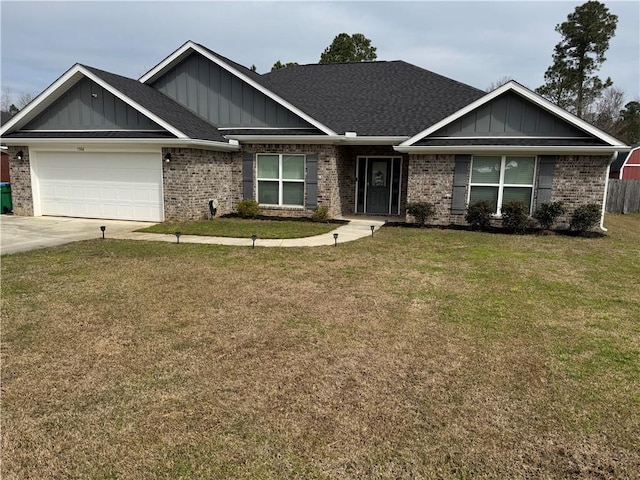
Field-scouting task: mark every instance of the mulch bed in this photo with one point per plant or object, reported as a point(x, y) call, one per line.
point(499, 230)
point(286, 219)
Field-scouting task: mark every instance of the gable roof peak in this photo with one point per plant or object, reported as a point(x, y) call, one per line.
point(526, 93)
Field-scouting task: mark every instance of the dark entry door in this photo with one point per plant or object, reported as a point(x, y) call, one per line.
point(378, 185)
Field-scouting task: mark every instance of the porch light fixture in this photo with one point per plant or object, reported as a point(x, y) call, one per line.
point(335, 239)
point(177, 234)
point(254, 237)
point(19, 155)
point(167, 157)
point(373, 227)
point(102, 229)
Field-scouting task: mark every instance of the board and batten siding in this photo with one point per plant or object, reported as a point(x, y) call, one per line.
point(509, 114)
point(223, 99)
point(88, 106)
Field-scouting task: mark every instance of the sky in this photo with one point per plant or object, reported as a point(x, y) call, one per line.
point(474, 42)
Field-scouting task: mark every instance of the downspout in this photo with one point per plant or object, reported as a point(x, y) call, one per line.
point(614, 157)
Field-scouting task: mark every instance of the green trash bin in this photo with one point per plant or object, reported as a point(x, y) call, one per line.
point(6, 205)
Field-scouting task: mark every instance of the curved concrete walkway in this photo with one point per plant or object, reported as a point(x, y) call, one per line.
point(355, 229)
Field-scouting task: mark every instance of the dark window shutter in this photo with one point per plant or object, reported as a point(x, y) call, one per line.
point(546, 166)
point(460, 179)
point(247, 176)
point(312, 181)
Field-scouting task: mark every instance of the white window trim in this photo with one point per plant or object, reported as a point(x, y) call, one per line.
point(281, 180)
point(501, 185)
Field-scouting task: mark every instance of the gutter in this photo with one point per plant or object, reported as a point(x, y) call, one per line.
point(614, 157)
point(318, 139)
point(502, 149)
point(161, 142)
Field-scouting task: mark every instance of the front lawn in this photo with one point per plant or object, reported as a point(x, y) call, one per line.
point(418, 353)
point(244, 228)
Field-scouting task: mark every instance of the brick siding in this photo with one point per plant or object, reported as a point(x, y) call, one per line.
point(20, 174)
point(577, 180)
point(193, 176)
point(431, 180)
point(328, 186)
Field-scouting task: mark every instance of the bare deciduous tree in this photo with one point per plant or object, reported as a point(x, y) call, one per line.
point(498, 83)
point(606, 112)
point(10, 102)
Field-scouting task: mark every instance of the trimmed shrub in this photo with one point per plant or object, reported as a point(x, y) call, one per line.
point(421, 211)
point(248, 208)
point(547, 214)
point(320, 214)
point(585, 217)
point(515, 217)
point(479, 215)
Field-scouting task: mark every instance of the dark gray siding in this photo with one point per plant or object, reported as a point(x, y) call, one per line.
point(460, 178)
point(221, 98)
point(509, 114)
point(79, 109)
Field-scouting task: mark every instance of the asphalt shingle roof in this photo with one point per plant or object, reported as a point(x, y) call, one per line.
point(159, 104)
point(5, 117)
point(371, 98)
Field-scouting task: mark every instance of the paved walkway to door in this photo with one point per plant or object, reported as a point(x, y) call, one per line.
point(355, 229)
point(20, 234)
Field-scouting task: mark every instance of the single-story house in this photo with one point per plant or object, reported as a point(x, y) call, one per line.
point(627, 165)
point(359, 138)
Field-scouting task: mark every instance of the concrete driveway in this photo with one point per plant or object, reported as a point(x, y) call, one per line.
point(19, 234)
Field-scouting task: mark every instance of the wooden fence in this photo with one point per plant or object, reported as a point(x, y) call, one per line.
point(623, 196)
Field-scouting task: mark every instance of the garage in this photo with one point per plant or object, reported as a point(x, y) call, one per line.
point(110, 185)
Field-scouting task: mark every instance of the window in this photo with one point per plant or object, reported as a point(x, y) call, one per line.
point(281, 179)
point(501, 179)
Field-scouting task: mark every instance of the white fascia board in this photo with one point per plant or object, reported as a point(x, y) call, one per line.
point(34, 108)
point(506, 149)
point(181, 52)
point(528, 94)
point(317, 139)
point(374, 140)
point(174, 58)
point(168, 142)
point(287, 139)
point(61, 86)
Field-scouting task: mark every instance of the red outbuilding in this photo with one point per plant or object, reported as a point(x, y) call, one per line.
point(627, 165)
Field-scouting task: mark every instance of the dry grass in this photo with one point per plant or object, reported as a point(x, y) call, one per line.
point(415, 354)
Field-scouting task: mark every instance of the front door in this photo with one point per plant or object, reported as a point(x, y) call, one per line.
point(378, 185)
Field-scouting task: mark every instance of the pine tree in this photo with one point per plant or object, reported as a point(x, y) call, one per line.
point(571, 81)
point(349, 48)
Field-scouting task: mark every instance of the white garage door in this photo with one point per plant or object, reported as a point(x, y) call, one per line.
point(120, 186)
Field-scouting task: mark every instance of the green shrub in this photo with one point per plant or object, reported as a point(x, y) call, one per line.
point(515, 216)
point(320, 214)
point(421, 211)
point(585, 217)
point(547, 214)
point(248, 208)
point(479, 215)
